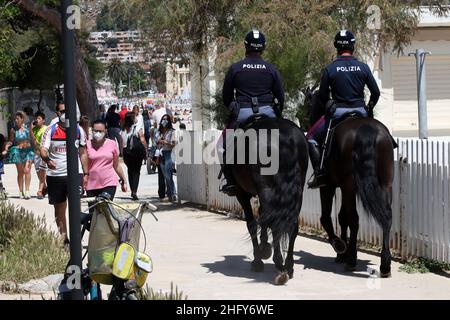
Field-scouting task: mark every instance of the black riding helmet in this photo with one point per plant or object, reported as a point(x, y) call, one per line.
point(255, 41)
point(344, 40)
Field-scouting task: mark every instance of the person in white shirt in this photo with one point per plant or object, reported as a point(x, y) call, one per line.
point(138, 118)
point(54, 154)
point(159, 113)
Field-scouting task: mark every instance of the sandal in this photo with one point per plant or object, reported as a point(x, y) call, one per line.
point(40, 195)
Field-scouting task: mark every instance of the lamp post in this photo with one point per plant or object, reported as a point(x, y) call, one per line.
point(420, 55)
point(69, 23)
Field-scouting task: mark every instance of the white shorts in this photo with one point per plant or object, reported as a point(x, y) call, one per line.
point(39, 164)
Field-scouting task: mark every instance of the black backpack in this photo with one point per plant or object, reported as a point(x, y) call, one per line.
point(134, 147)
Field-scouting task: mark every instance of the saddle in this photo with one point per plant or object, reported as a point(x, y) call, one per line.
point(256, 117)
point(338, 122)
point(334, 125)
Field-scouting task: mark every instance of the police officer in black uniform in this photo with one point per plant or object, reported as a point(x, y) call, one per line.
point(346, 78)
point(251, 86)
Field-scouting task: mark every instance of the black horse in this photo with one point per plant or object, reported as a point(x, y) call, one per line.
point(361, 163)
point(280, 194)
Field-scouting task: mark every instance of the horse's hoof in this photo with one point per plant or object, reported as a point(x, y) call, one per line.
point(339, 245)
point(340, 258)
point(257, 266)
point(350, 267)
point(386, 273)
point(291, 274)
point(281, 278)
point(265, 250)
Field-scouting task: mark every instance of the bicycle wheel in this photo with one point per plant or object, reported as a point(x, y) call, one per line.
point(131, 296)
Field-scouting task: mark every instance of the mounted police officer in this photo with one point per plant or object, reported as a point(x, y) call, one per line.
point(346, 78)
point(251, 86)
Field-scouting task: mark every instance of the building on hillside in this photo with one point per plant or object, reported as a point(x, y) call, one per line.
point(396, 76)
point(126, 46)
point(178, 81)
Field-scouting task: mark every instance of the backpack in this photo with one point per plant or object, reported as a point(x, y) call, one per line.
point(134, 147)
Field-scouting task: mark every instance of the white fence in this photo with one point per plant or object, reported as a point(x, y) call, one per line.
point(421, 217)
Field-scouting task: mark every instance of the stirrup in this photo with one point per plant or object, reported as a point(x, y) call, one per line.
point(318, 182)
point(229, 189)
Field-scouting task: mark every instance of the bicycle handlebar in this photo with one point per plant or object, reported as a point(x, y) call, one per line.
point(99, 199)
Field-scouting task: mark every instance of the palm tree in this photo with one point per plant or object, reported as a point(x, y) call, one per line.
point(116, 72)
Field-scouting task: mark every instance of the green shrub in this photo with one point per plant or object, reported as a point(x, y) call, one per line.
point(423, 265)
point(28, 250)
point(149, 294)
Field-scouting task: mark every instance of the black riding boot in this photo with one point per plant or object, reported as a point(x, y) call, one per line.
point(319, 176)
point(229, 188)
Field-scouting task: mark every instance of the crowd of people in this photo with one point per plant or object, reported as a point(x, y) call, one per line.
point(138, 134)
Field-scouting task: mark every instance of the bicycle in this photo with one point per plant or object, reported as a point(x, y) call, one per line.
point(103, 263)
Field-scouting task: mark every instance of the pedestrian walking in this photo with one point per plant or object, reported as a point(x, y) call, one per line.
point(138, 118)
point(113, 125)
point(54, 154)
point(3, 154)
point(84, 123)
point(38, 128)
point(122, 113)
point(134, 151)
point(104, 168)
point(166, 141)
point(21, 153)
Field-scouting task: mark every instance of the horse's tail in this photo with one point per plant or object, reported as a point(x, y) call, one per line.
point(282, 202)
point(374, 198)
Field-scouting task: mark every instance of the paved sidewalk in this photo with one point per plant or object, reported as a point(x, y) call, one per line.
point(208, 256)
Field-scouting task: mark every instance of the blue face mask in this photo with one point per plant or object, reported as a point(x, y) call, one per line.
point(164, 123)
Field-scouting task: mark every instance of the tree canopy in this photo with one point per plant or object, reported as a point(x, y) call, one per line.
point(299, 32)
point(111, 19)
point(30, 50)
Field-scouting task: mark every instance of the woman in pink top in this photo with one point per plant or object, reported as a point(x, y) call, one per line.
point(104, 167)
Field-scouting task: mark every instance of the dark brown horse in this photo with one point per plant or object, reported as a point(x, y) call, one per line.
point(280, 194)
point(360, 163)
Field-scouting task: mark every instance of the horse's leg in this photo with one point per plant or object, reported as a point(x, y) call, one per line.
point(244, 200)
point(289, 262)
point(326, 197)
point(349, 205)
point(343, 222)
point(265, 249)
point(385, 269)
point(282, 276)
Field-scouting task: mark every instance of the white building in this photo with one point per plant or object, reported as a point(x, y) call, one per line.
point(126, 46)
point(397, 79)
point(178, 81)
point(125, 50)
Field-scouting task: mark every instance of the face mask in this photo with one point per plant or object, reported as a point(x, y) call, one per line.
point(164, 123)
point(98, 135)
point(62, 118)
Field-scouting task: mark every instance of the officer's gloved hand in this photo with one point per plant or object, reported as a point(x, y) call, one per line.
point(276, 108)
point(369, 109)
point(234, 108)
point(330, 108)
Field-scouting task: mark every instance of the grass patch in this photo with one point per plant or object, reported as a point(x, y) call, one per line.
point(28, 250)
point(423, 265)
point(149, 294)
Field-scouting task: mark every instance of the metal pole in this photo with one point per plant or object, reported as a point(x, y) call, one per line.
point(420, 55)
point(72, 150)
